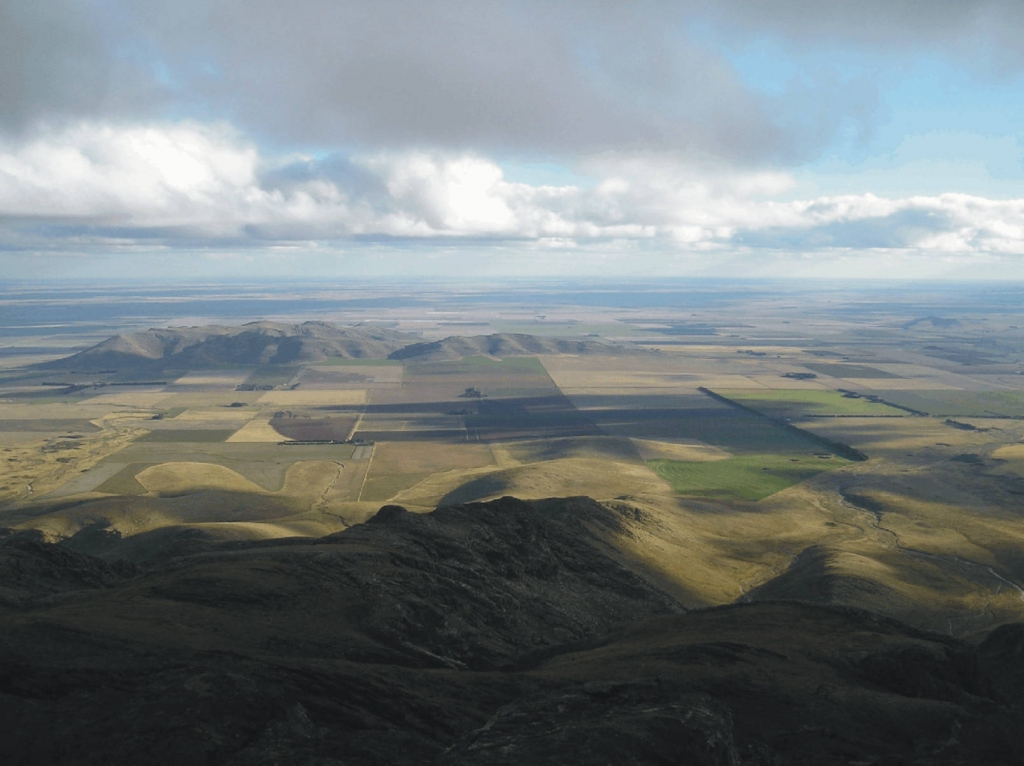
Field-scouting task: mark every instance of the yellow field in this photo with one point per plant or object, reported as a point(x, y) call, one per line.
point(257, 430)
point(313, 398)
point(660, 450)
point(1010, 452)
point(183, 478)
point(211, 379)
point(34, 467)
point(219, 414)
point(399, 466)
point(554, 478)
point(51, 411)
point(599, 375)
point(310, 477)
point(896, 437)
point(22, 438)
point(210, 398)
point(413, 456)
point(143, 399)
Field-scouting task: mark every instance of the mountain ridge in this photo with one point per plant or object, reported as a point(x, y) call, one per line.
point(214, 346)
point(485, 633)
point(264, 342)
point(501, 345)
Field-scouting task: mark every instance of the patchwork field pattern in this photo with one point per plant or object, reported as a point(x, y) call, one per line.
point(720, 500)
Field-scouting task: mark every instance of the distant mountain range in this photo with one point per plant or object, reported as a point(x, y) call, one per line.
point(211, 346)
point(501, 345)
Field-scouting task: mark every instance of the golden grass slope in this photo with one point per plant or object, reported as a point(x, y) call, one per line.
point(309, 479)
point(689, 452)
point(183, 478)
point(30, 469)
point(398, 466)
point(258, 430)
point(176, 495)
point(564, 477)
point(1010, 452)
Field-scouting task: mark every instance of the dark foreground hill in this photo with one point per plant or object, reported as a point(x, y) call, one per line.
point(493, 633)
point(196, 348)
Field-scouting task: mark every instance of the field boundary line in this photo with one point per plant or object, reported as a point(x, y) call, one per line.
point(838, 448)
point(355, 426)
point(369, 462)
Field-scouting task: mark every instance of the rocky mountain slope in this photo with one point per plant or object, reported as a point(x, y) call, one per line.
point(486, 633)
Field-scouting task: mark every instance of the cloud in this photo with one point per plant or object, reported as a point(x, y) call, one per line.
point(156, 175)
point(986, 31)
point(195, 185)
point(513, 77)
point(946, 223)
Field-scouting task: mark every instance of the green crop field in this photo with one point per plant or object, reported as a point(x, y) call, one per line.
point(745, 477)
point(837, 370)
point(981, 404)
point(808, 402)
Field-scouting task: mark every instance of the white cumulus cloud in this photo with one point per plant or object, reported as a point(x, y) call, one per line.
point(209, 186)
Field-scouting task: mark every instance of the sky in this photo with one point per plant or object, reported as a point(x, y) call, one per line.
point(337, 139)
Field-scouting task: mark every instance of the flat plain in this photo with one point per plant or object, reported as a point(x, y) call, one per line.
point(885, 449)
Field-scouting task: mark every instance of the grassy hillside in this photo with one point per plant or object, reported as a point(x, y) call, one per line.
point(744, 477)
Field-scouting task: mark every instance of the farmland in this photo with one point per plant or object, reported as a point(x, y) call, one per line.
point(750, 477)
point(740, 444)
point(956, 403)
point(794, 403)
